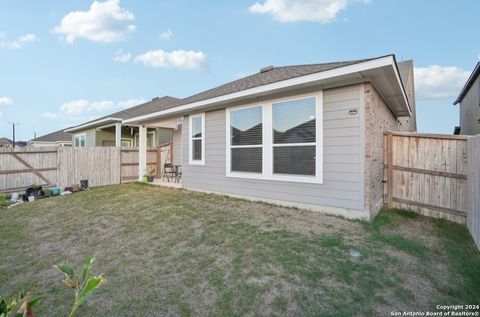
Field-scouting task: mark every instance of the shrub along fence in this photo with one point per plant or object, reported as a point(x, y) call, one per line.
point(63, 166)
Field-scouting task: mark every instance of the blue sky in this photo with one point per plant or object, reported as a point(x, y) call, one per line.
point(64, 62)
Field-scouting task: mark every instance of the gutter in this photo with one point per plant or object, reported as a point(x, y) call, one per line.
point(94, 123)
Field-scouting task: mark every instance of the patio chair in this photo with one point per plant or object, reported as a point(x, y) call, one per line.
point(178, 173)
point(168, 172)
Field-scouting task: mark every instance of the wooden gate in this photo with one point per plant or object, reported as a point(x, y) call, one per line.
point(26, 166)
point(156, 157)
point(427, 174)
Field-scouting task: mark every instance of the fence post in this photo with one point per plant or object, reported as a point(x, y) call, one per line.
point(159, 162)
point(389, 169)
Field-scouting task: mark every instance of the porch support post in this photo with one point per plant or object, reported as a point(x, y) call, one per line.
point(142, 151)
point(118, 134)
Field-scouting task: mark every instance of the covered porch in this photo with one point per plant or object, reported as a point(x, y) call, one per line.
point(169, 169)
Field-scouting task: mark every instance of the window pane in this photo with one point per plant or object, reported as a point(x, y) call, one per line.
point(294, 121)
point(246, 126)
point(247, 160)
point(197, 150)
point(196, 127)
point(299, 160)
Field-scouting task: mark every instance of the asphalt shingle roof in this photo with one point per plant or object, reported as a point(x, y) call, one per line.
point(275, 74)
point(54, 137)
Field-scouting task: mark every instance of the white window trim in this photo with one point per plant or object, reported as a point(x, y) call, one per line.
point(267, 143)
point(135, 138)
point(191, 161)
point(80, 135)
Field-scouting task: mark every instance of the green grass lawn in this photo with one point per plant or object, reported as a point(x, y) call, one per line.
point(174, 252)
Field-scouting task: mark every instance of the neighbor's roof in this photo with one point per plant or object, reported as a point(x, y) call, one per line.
point(155, 104)
point(5, 141)
point(468, 84)
point(57, 136)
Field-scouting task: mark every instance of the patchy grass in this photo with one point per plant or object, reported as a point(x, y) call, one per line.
point(175, 252)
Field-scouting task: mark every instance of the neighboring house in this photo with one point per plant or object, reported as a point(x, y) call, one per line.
point(57, 138)
point(309, 136)
point(109, 130)
point(6, 142)
point(469, 100)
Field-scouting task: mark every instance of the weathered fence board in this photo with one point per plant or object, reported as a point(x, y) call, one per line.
point(100, 165)
point(473, 193)
point(427, 174)
point(26, 166)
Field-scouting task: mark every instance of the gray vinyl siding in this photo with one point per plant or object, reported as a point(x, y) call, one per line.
point(177, 146)
point(470, 110)
point(90, 137)
point(163, 136)
point(342, 169)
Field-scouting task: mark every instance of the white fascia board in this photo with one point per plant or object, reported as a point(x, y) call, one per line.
point(94, 123)
point(345, 70)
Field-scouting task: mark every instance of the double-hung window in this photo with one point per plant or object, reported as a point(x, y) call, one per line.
point(278, 140)
point(246, 135)
point(197, 139)
point(80, 140)
point(294, 137)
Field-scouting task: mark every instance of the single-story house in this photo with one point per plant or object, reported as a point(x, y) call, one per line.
point(309, 136)
point(7, 143)
point(57, 138)
point(110, 131)
point(469, 104)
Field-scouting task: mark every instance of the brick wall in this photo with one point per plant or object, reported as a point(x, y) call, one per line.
point(378, 119)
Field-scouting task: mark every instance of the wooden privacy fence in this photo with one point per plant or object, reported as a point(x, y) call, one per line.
point(63, 166)
point(473, 193)
point(427, 174)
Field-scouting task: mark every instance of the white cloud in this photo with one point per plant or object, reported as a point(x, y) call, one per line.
point(105, 22)
point(75, 106)
point(19, 42)
point(6, 101)
point(166, 35)
point(76, 110)
point(176, 59)
point(121, 57)
point(100, 106)
point(49, 115)
point(321, 11)
point(437, 82)
point(28, 38)
point(130, 103)
point(81, 105)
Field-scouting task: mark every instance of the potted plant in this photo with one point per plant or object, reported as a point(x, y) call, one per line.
point(149, 174)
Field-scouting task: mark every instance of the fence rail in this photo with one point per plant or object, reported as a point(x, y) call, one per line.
point(427, 173)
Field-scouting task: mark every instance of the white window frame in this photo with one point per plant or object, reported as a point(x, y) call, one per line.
point(191, 161)
point(267, 143)
point(136, 136)
point(84, 135)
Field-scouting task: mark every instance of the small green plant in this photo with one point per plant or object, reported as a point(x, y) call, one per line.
point(20, 306)
point(35, 186)
point(83, 285)
point(3, 200)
